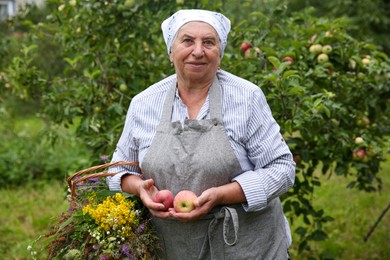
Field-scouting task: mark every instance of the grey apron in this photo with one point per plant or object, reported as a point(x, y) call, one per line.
point(198, 156)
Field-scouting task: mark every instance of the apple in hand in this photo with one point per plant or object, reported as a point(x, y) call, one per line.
point(165, 197)
point(184, 201)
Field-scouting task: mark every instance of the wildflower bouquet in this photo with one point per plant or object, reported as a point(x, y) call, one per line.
point(101, 224)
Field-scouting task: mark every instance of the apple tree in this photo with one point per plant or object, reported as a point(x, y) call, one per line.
point(328, 91)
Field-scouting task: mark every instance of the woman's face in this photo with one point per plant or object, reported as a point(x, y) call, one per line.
point(195, 52)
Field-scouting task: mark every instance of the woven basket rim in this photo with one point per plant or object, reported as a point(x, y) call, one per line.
point(72, 181)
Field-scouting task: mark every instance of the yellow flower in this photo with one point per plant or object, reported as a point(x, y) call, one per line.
point(114, 213)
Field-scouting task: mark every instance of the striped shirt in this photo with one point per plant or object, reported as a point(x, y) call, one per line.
point(266, 161)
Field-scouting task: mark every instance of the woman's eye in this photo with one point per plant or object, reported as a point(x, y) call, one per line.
point(187, 40)
point(208, 43)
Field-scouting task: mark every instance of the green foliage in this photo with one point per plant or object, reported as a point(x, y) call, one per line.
point(322, 107)
point(26, 152)
point(114, 49)
point(368, 19)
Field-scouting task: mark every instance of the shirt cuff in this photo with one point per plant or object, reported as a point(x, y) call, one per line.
point(253, 188)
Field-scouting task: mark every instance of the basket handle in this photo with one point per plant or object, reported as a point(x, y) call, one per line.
point(72, 182)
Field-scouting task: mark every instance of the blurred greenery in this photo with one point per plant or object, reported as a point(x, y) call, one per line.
point(77, 65)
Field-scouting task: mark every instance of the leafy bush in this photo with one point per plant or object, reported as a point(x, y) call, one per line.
point(332, 103)
point(27, 153)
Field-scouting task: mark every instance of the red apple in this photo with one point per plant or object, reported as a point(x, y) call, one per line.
point(245, 46)
point(184, 201)
point(288, 59)
point(313, 38)
point(359, 154)
point(297, 159)
point(165, 197)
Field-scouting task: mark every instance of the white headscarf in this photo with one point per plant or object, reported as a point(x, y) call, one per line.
point(218, 21)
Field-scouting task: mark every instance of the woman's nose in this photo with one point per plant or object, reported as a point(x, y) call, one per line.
point(198, 50)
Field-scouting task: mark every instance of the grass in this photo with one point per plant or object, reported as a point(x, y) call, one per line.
point(27, 212)
point(355, 212)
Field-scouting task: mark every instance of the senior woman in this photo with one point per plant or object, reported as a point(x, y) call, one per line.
point(211, 132)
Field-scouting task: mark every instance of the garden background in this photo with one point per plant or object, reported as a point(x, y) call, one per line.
point(69, 70)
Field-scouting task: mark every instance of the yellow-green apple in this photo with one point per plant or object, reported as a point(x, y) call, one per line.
point(252, 53)
point(366, 61)
point(315, 48)
point(352, 64)
point(245, 46)
point(184, 201)
point(328, 34)
point(123, 87)
point(165, 197)
point(322, 58)
point(129, 4)
point(363, 121)
point(359, 140)
point(326, 49)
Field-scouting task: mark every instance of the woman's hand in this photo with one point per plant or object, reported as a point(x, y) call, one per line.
point(203, 205)
point(230, 193)
point(146, 191)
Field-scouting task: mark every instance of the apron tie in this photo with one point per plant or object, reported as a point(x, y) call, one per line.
point(229, 216)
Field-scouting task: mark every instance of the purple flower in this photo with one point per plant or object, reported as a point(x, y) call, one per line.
point(104, 158)
point(102, 257)
point(126, 251)
point(141, 228)
point(95, 247)
point(93, 180)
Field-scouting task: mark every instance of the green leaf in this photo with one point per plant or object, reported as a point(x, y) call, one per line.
point(288, 73)
point(274, 61)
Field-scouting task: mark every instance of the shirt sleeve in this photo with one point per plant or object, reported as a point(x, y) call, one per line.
point(126, 150)
point(274, 167)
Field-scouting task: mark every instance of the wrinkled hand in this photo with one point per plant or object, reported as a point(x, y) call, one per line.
point(147, 191)
point(203, 205)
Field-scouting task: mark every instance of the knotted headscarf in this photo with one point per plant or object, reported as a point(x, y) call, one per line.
point(218, 21)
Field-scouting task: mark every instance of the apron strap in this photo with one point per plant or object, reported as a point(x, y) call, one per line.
point(229, 216)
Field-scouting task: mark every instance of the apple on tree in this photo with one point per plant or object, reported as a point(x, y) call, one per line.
point(184, 201)
point(123, 87)
point(313, 38)
point(326, 49)
point(360, 154)
point(366, 61)
point(245, 46)
point(359, 140)
point(288, 59)
point(322, 58)
point(165, 197)
point(315, 48)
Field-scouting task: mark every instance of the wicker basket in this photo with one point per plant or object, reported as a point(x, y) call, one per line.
point(89, 173)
